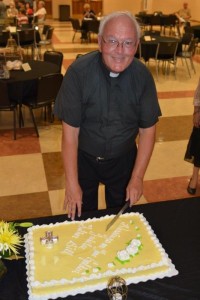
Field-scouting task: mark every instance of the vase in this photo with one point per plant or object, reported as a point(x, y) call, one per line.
point(3, 269)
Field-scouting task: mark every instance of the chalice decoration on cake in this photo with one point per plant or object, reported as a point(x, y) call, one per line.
point(117, 288)
point(49, 239)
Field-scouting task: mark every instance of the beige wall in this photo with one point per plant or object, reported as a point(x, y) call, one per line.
point(135, 6)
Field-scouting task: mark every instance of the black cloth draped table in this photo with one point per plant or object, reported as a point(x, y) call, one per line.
point(148, 47)
point(176, 224)
point(22, 84)
point(196, 31)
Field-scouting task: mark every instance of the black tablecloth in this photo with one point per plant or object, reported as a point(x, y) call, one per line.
point(176, 224)
point(21, 84)
point(148, 48)
point(196, 31)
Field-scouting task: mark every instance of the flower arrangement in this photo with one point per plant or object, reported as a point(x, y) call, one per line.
point(10, 240)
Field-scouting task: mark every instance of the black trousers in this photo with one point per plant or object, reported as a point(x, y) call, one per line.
point(113, 173)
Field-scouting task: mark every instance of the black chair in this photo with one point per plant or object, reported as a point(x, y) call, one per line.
point(26, 40)
point(4, 36)
point(166, 53)
point(187, 37)
point(7, 105)
point(169, 21)
point(46, 42)
point(54, 57)
point(93, 28)
point(76, 27)
point(188, 55)
point(47, 88)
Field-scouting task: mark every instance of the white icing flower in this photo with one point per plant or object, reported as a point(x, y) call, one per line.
point(123, 255)
point(132, 250)
point(135, 243)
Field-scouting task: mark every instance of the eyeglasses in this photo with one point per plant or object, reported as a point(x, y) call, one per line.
point(112, 43)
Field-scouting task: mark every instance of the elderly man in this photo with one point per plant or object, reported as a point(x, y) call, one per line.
point(107, 99)
point(184, 14)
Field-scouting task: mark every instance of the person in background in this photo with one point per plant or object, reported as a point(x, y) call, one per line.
point(192, 154)
point(41, 12)
point(106, 100)
point(3, 9)
point(12, 11)
point(184, 14)
point(29, 9)
point(20, 5)
point(22, 17)
point(88, 13)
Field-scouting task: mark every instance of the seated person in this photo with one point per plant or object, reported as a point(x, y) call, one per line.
point(29, 9)
point(22, 17)
point(88, 13)
point(2, 10)
point(20, 5)
point(12, 12)
point(41, 12)
point(183, 14)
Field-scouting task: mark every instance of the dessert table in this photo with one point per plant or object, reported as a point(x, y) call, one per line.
point(176, 224)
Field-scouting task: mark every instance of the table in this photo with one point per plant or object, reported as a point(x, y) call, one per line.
point(196, 31)
point(148, 48)
point(176, 224)
point(21, 84)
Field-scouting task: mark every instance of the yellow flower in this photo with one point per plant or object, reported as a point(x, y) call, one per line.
point(10, 240)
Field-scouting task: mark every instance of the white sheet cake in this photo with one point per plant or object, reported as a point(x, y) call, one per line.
point(85, 256)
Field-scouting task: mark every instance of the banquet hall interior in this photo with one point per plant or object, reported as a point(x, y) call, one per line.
point(31, 172)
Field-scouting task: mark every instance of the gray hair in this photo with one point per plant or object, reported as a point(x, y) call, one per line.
point(117, 14)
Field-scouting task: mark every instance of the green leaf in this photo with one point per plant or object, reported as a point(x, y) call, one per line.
point(24, 224)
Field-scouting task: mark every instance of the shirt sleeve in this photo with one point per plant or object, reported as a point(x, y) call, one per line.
point(68, 102)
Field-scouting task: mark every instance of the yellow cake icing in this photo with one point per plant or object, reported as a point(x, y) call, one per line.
point(86, 256)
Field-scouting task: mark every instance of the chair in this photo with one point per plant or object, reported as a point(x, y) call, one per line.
point(7, 105)
point(47, 88)
point(76, 27)
point(54, 57)
point(93, 28)
point(186, 39)
point(166, 52)
point(4, 36)
point(47, 41)
point(169, 21)
point(188, 55)
point(26, 39)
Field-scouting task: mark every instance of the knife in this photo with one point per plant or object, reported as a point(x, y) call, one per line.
point(126, 205)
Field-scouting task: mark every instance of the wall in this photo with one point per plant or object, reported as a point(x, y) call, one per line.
point(173, 6)
point(135, 6)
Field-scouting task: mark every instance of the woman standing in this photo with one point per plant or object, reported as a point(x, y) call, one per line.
point(192, 154)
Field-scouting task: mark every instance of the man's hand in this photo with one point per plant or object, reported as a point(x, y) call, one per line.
point(134, 190)
point(73, 200)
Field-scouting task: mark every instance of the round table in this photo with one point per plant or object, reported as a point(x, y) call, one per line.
point(149, 46)
point(196, 31)
point(22, 84)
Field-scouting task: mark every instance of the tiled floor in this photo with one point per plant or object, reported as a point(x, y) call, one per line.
point(31, 172)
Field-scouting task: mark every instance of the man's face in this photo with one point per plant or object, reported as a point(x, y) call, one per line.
point(118, 44)
point(185, 5)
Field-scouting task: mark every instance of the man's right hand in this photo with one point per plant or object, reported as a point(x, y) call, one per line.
point(73, 200)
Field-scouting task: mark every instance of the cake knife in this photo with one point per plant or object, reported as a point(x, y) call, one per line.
point(126, 205)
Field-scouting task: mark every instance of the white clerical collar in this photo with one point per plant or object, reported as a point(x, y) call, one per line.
point(114, 74)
